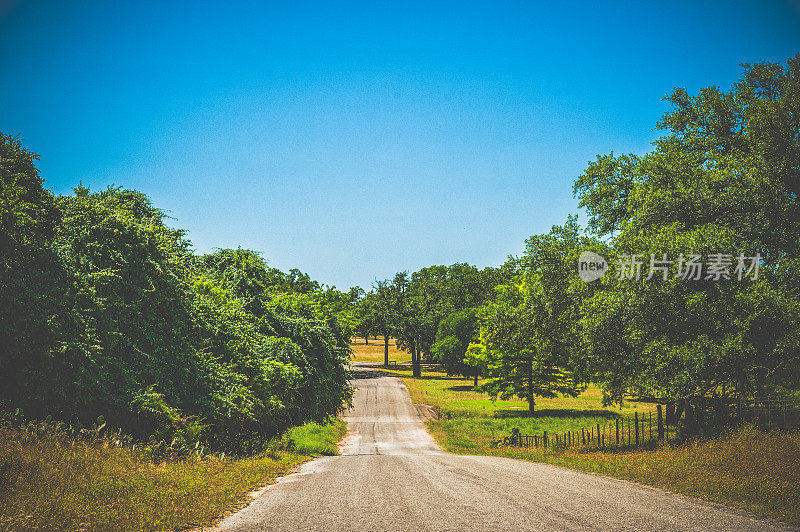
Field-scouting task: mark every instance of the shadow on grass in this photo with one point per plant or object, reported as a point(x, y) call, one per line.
point(440, 377)
point(556, 412)
point(461, 388)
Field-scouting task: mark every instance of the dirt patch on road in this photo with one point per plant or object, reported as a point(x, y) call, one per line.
point(427, 412)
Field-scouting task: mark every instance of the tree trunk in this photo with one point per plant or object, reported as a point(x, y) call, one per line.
point(366, 339)
point(386, 350)
point(416, 368)
point(531, 401)
point(476, 378)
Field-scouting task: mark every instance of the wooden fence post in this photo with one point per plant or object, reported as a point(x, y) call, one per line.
point(583, 435)
point(769, 414)
point(659, 414)
point(636, 425)
point(545, 439)
point(616, 421)
point(785, 416)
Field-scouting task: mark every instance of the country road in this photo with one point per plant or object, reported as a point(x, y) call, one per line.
point(391, 475)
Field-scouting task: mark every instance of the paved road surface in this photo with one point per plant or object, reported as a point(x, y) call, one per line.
point(392, 476)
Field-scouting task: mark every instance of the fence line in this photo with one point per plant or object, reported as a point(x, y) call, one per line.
point(671, 422)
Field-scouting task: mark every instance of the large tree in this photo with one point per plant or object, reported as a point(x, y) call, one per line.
point(406, 316)
point(723, 179)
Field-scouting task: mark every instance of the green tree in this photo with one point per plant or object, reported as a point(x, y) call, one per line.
point(366, 316)
point(37, 329)
point(476, 358)
point(28, 215)
point(722, 179)
point(404, 316)
point(454, 335)
point(529, 330)
point(382, 302)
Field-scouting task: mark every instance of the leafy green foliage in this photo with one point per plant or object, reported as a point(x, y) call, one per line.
point(413, 306)
point(107, 312)
point(722, 179)
point(27, 212)
point(453, 336)
point(529, 330)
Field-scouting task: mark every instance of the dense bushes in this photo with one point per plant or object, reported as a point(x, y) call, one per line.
point(106, 311)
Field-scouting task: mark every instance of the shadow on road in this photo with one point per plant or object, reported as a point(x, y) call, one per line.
point(366, 374)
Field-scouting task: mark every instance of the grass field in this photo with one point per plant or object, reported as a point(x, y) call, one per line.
point(48, 482)
point(373, 352)
point(747, 468)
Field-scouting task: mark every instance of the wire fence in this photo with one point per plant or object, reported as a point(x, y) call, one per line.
point(671, 421)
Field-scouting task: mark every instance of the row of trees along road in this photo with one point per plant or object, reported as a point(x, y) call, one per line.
point(723, 178)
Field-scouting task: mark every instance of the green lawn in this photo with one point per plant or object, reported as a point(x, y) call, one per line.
point(472, 419)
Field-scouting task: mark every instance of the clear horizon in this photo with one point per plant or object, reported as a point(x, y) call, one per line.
point(357, 141)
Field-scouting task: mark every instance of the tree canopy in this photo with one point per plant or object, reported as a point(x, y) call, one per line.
point(107, 312)
point(723, 179)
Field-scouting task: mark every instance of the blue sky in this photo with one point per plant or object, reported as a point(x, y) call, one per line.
point(356, 140)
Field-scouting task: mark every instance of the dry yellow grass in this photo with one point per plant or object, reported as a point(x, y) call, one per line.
point(373, 352)
point(746, 468)
point(51, 483)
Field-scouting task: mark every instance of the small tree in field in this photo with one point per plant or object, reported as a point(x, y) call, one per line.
point(521, 360)
point(476, 358)
point(529, 331)
point(454, 335)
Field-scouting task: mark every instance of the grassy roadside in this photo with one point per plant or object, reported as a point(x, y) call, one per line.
point(50, 483)
point(747, 468)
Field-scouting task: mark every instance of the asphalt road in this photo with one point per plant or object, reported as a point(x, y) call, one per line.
point(391, 475)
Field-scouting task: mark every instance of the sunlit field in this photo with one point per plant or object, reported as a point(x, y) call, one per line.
point(373, 353)
point(471, 420)
point(456, 398)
